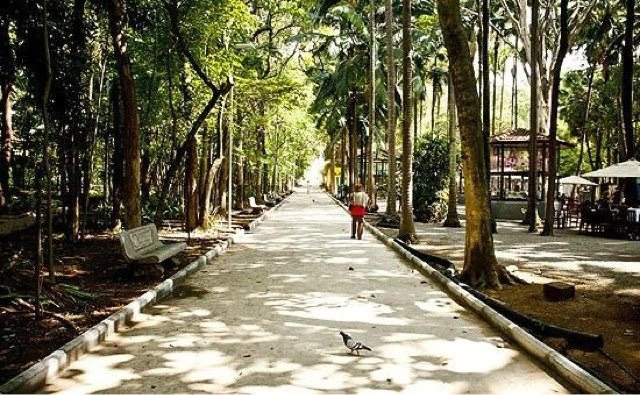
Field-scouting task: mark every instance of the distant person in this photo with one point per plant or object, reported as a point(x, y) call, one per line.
point(308, 186)
point(617, 196)
point(603, 203)
point(358, 201)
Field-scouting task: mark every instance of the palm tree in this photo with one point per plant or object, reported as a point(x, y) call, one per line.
point(534, 125)
point(627, 97)
point(391, 110)
point(452, 220)
point(481, 268)
point(407, 230)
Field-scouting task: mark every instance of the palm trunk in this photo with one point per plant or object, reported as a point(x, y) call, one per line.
point(627, 98)
point(532, 212)
point(391, 109)
point(372, 97)
point(496, 46)
point(45, 154)
point(452, 220)
point(407, 231)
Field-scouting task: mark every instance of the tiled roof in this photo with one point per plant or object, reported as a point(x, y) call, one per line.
point(521, 136)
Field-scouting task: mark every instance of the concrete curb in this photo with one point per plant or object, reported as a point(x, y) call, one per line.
point(50, 366)
point(555, 361)
point(253, 224)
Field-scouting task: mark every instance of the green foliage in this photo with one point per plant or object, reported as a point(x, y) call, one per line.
point(602, 128)
point(430, 177)
point(173, 209)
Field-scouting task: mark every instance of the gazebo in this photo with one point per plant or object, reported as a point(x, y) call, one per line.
point(509, 171)
point(510, 163)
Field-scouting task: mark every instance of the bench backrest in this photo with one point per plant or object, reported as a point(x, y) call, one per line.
point(138, 241)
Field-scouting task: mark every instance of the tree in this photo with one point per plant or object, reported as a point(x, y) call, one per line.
point(131, 126)
point(7, 87)
point(534, 123)
point(452, 220)
point(627, 97)
point(407, 231)
point(553, 120)
point(391, 110)
point(481, 268)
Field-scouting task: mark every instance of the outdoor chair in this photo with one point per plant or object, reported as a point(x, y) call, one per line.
point(559, 214)
point(573, 214)
point(632, 225)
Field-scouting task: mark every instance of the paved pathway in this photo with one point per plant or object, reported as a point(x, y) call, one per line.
point(265, 319)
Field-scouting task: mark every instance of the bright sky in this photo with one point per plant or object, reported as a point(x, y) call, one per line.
point(314, 173)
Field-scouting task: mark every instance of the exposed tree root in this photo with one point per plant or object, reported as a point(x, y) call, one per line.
point(65, 322)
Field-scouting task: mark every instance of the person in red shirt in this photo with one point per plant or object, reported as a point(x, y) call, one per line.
point(358, 201)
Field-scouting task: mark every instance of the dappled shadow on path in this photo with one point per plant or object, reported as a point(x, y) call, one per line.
point(265, 319)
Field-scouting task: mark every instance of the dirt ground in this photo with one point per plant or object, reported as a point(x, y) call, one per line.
point(607, 298)
point(605, 271)
point(93, 282)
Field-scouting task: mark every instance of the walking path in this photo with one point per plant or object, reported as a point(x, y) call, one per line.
point(265, 317)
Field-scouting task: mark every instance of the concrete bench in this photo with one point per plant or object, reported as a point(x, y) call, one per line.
point(141, 245)
point(257, 208)
point(268, 202)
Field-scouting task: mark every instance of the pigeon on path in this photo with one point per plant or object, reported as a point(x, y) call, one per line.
point(353, 345)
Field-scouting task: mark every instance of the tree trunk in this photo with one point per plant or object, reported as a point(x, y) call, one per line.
point(190, 185)
point(585, 119)
point(452, 220)
point(433, 94)
point(240, 195)
point(89, 156)
point(352, 126)
point(131, 129)
point(514, 87)
point(212, 174)
point(372, 96)
point(504, 74)
point(118, 159)
point(627, 99)
point(486, 103)
point(7, 85)
point(45, 153)
point(481, 267)
point(553, 121)
point(534, 126)
point(391, 111)
point(203, 166)
point(181, 151)
point(496, 46)
point(407, 231)
point(343, 160)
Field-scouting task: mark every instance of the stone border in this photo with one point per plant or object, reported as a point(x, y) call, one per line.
point(558, 363)
point(50, 366)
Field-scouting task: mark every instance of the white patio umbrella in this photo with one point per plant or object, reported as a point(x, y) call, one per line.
point(576, 180)
point(628, 169)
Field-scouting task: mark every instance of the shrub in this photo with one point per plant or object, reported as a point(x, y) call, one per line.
point(430, 177)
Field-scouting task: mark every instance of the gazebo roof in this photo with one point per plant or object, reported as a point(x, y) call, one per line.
point(521, 136)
